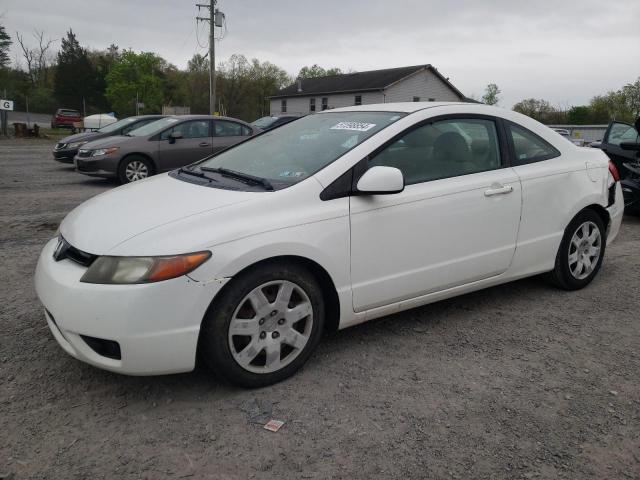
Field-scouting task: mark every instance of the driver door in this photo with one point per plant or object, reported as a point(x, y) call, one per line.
point(616, 133)
point(456, 221)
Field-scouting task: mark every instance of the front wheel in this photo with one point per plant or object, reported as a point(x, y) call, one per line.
point(134, 168)
point(581, 252)
point(264, 326)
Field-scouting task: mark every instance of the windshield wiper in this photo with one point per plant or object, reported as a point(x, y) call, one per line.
point(196, 174)
point(243, 177)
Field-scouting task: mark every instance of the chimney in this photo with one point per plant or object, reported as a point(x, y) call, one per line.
point(299, 85)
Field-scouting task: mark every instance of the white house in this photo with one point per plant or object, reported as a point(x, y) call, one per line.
point(419, 83)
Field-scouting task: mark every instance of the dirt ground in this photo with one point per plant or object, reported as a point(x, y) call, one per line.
point(518, 381)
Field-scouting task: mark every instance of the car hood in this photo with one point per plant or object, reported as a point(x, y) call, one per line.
point(113, 141)
point(83, 137)
point(107, 220)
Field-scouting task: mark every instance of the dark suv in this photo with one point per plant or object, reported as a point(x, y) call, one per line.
point(68, 147)
point(65, 117)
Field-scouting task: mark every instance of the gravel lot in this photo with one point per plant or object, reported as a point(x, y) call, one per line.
point(518, 381)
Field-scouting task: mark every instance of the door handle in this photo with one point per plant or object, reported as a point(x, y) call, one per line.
point(204, 144)
point(498, 190)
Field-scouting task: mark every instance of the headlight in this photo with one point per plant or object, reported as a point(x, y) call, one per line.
point(75, 144)
point(127, 270)
point(103, 151)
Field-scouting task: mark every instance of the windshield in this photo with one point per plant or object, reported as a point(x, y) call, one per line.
point(112, 127)
point(153, 127)
point(264, 122)
point(299, 149)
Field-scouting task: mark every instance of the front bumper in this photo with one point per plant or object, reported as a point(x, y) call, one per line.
point(155, 325)
point(106, 167)
point(64, 156)
point(616, 211)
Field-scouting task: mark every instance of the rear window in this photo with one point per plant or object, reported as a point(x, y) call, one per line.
point(69, 113)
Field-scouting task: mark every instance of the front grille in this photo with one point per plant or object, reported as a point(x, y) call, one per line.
point(65, 250)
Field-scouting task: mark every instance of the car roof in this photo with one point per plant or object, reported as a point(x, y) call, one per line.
point(408, 107)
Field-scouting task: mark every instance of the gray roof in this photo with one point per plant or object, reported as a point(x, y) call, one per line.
point(358, 82)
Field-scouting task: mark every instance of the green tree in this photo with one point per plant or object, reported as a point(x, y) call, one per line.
point(538, 109)
point(5, 44)
point(491, 94)
point(243, 86)
point(631, 92)
point(579, 115)
point(75, 80)
point(317, 71)
point(136, 74)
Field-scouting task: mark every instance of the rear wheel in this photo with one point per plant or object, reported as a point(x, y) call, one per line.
point(264, 326)
point(581, 251)
point(134, 168)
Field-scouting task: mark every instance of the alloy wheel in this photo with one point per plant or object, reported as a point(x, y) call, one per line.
point(584, 250)
point(271, 326)
point(136, 170)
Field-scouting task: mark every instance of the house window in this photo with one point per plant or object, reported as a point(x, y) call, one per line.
point(416, 99)
point(283, 106)
point(432, 99)
point(358, 100)
point(312, 104)
point(325, 103)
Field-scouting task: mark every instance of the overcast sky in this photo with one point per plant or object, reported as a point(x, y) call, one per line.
point(565, 51)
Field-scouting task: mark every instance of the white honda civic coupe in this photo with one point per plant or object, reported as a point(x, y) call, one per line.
point(244, 259)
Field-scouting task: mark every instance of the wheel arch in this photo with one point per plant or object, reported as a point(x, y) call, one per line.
point(329, 291)
point(601, 211)
point(140, 154)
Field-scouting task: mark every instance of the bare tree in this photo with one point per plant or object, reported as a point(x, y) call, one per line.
point(37, 58)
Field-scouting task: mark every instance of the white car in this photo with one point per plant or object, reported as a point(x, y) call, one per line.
point(245, 258)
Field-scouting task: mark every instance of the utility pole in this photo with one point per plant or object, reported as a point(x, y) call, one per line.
point(215, 19)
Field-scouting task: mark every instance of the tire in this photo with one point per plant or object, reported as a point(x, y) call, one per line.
point(134, 168)
point(567, 273)
point(262, 353)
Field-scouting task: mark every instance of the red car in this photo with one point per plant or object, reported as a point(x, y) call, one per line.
point(65, 117)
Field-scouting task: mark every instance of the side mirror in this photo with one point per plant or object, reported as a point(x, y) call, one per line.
point(173, 136)
point(381, 181)
point(633, 146)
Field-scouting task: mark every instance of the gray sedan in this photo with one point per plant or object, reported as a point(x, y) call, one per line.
point(160, 146)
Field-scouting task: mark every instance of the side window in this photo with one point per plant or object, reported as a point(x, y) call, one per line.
point(229, 129)
point(621, 132)
point(529, 147)
point(446, 148)
point(192, 129)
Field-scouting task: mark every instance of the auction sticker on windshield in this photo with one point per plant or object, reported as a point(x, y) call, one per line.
point(355, 126)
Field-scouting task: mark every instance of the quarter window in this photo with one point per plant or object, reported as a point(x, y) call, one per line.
point(192, 129)
point(529, 147)
point(358, 100)
point(446, 148)
point(312, 104)
point(283, 106)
